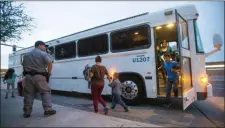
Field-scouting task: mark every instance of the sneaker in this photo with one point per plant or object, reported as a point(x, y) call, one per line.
point(112, 108)
point(50, 112)
point(6, 97)
point(106, 109)
point(26, 115)
point(126, 110)
point(13, 96)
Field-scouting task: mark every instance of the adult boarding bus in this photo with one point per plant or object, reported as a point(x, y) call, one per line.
point(129, 47)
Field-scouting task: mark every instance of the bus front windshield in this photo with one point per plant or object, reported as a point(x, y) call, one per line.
point(199, 46)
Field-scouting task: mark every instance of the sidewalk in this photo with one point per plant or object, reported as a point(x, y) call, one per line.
point(12, 116)
point(213, 108)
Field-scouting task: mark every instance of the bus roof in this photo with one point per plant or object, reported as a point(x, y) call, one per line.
point(190, 9)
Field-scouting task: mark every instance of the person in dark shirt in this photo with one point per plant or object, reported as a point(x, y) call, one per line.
point(165, 49)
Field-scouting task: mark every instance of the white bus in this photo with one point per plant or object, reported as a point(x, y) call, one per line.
point(128, 46)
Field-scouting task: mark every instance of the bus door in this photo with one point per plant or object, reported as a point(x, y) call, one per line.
point(185, 80)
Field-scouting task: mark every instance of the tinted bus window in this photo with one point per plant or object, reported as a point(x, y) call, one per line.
point(130, 39)
point(65, 51)
point(93, 45)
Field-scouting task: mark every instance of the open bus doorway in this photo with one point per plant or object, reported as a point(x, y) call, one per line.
point(166, 41)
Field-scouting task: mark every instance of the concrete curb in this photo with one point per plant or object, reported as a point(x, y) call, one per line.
point(11, 116)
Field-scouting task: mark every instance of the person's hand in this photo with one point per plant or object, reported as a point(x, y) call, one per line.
point(110, 80)
point(157, 47)
point(49, 73)
point(91, 74)
point(175, 70)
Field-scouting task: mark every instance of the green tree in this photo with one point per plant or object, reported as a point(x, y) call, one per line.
point(13, 21)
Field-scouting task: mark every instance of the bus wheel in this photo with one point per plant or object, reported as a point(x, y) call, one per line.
point(132, 89)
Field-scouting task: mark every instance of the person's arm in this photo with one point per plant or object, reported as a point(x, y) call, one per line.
point(49, 62)
point(50, 68)
point(107, 74)
point(90, 74)
point(176, 69)
point(112, 84)
point(92, 71)
point(161, 66)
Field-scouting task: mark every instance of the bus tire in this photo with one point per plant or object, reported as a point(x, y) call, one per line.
point(137, 85)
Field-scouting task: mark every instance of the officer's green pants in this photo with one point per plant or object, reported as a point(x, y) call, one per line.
point(32, 85)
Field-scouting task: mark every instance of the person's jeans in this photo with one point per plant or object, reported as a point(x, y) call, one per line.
point(117, 99)
point(171, 84)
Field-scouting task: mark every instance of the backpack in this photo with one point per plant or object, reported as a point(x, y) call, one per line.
point(86, 72)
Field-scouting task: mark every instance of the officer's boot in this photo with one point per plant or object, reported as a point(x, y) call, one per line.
point(50, 112)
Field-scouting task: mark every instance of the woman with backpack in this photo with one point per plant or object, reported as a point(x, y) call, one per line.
point(98, 71)
point(10, 78)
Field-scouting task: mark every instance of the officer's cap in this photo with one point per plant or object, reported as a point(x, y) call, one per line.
point(37, 43)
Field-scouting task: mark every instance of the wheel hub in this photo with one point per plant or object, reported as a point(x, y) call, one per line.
point(129, 90)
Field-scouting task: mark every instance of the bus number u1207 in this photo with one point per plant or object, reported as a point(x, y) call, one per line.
point(141, 59)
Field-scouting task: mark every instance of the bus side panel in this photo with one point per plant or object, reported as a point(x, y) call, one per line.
point(122, 62)
point(63, 73)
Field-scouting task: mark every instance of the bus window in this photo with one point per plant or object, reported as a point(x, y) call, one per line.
point(93, 45)
point(130, 39)
point(186, 78)
point(199, 46)
point(51, 50)
point(184, 33)
point(65, 51)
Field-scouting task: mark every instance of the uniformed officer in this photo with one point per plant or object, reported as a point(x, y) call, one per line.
point(35, 64)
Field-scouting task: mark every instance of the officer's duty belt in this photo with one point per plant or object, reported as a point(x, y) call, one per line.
point(36, 73)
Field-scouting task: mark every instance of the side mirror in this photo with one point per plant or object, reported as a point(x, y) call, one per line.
point(217, 41)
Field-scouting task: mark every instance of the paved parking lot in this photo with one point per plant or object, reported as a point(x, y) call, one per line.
point(208, 113)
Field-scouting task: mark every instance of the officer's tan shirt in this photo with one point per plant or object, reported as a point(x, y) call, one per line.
point(36, 60)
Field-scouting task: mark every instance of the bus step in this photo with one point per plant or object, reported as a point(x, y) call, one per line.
point(162, 91)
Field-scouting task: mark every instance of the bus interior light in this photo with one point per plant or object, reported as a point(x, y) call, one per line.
point(136, 33)
point(159, 27)
point(170, 25)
